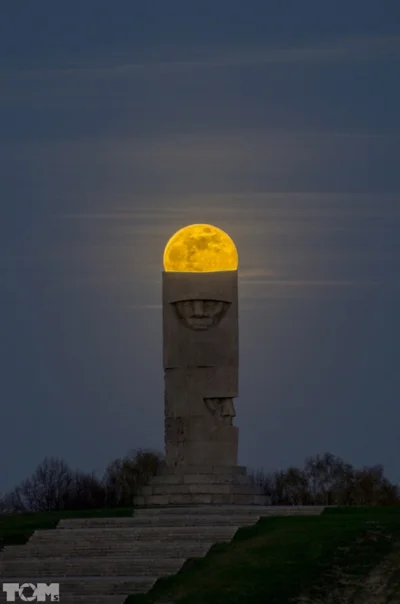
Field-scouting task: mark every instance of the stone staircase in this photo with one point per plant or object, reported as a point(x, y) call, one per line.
point(199, 485)
point(102, 560)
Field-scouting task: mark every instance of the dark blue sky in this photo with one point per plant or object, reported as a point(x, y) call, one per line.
point(122, 122)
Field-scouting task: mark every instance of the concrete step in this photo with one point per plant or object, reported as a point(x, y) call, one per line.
point(187, 548)
point(202, 510)
point(101, 586)
point(213, 470)
point(110, 535)
point(161, 520)
point(200, 488)
point(195, 479)
point(200, 498)
point(87, 567)
point(236, 510)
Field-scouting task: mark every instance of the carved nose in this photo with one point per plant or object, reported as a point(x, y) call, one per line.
point(198, 310)
point(228, 408)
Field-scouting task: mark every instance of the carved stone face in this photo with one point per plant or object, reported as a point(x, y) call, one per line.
point(222, 409)
point(201, 314)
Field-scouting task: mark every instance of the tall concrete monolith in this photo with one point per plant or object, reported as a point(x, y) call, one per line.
point(200, 340)
point(201, 361)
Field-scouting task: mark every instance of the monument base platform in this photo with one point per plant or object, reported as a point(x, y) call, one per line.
point(199, 485)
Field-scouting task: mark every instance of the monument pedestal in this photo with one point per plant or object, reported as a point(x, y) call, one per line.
point(199, 485)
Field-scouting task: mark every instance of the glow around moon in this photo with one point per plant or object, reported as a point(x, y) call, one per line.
point(200, 248)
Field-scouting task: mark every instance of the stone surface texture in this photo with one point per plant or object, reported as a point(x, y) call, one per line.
point(200, 357)
point(188, 485)
point(201, 361)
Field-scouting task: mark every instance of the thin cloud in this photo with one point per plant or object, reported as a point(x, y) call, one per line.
point(349, 49)
point(251, 273)
point(315, 283)
point(319, 203)
point(143, 306)
point(304, 289)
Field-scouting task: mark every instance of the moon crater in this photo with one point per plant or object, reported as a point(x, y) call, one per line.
point(200, 248)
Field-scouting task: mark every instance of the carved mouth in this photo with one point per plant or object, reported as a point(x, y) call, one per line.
point(201, 314)
point(200, 322)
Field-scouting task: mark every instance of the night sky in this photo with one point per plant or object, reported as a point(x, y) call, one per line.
point(121, 122)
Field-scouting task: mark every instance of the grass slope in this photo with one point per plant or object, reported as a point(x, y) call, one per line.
point(344, 556)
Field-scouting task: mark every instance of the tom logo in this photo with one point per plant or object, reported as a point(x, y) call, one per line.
point(28, 592)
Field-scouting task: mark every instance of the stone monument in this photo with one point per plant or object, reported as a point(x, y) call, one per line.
point(201, 358)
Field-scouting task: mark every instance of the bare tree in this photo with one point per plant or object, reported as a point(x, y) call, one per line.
point(327, 476)
point(324, 480)
point(13, 502)
point(328, 480)
point(45, 490)
point(4, 505)
point(86, 492)
point(120, 484)
point(147, 464)
point(54, 486)
point(372, 488)
point(295, 486)
point(125, 477)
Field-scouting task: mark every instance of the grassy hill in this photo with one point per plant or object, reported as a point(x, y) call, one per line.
point(345, 556)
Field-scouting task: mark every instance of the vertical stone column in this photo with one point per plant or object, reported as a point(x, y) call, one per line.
point(200, 357)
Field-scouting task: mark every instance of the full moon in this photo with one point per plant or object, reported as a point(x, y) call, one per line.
point(200, 248)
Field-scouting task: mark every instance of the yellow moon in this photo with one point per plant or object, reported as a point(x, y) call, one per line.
point(200, 248)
